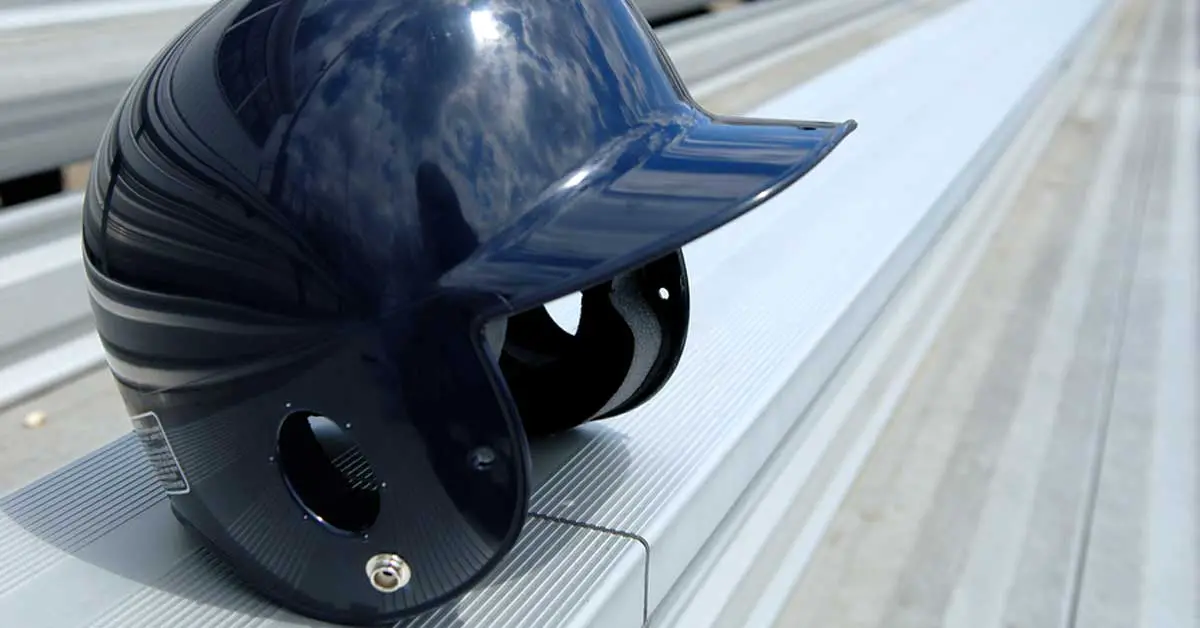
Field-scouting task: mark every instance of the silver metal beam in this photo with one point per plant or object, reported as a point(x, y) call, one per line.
point(45, 318)
point(65, 68)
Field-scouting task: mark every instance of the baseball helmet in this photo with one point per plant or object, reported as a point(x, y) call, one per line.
point(319, 237)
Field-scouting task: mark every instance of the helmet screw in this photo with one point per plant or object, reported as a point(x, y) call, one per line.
point(481, 458)
point(388, 573)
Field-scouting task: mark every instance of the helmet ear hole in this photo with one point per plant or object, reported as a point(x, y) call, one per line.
point(327, 473)
point(625, 346)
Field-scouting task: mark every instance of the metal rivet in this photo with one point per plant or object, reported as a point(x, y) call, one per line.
point(481, 458)
point(388, 573)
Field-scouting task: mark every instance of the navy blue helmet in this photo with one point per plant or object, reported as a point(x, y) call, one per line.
point(319, 238)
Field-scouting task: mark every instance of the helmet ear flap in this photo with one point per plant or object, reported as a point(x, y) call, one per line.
point(630, 336)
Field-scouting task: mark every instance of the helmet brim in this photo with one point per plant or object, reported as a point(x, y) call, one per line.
point(656, 191)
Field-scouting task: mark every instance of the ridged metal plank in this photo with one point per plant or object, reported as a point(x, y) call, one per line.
point(100, 534)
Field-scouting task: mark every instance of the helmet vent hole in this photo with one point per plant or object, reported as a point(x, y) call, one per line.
point(327, 472)
point(565, 312)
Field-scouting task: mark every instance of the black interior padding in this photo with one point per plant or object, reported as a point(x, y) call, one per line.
point(559, 380)
point(672, 315)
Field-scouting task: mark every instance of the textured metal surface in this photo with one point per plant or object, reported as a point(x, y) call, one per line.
point(1041, 468)
point(101, 532)
point(769, 539)
point(766, 291)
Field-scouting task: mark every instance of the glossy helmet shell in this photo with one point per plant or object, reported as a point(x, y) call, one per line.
point(318, 237)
